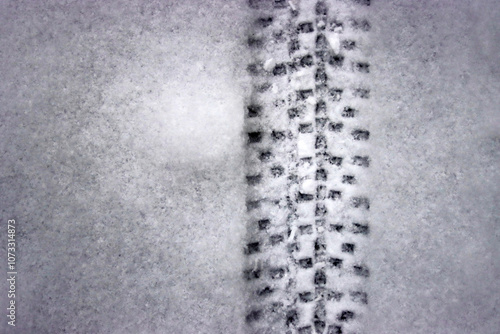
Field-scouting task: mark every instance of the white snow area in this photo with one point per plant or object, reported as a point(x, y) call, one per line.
point(122, 162)
point(269, 64)
point(124, 155)
point(334, 41)
point(434, 252)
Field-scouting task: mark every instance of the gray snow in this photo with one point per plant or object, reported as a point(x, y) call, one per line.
point(434, 250)
point(123, 162)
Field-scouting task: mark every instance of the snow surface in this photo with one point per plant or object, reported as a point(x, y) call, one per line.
point(122, 162)
point(121, 135)
point(434, 252)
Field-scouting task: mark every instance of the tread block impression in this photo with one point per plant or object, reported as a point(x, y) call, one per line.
point(335, 195)
point(254, 137)
point(363, 25)
point(361, 202)
point(358, 228)
point(363, 67)
point(363, 2)
point(319, 278)
point(336, 228)
point(345, 316)
point(251, 274)
point(304, 197)
point(321, 107)
point(334, 296)
point(254, 110)
point(362, 161)
point(335, 127)
point(360, 134)
point(277, 171)
point(264, 292)
point(304, 94)
point(279, 70)
point(336, 94)
point(361, 270)
point(264, 224)
point(306, 128)
point(349, 179)
point(335, 262)
point(336, 60)
point(252, 248)
point(319, 244)
point(294, 113)
point(349, 112)
point(264, 22)
point(293, 46)
point(265, 156)
point(320, 210)
point(348, 248)
point(305, 27)
point(322, 42)
point(292, 317)
point(321, 192)
point(306, 297)
point(319, 326)
point(253, 179)
point(276, 239)
point(321, 123)
point(306, 229)
point(335, 329)
point(305, 330)
point(306, 61)
point(278, 135)
point(306, 263)
point(280, 4)
point(349, 44)
point(336, 25)
point(321, 8)
point(320, 77)
point(255, 69)
point(254, 42)
point(277, 273)
point(359, 297)
point(362, 93)
point(321, 174)
point(252, 205)
point(254, 315)
point(320, 142)
point(333, 160)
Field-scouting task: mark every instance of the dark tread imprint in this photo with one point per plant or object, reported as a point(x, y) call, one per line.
point(297, 176)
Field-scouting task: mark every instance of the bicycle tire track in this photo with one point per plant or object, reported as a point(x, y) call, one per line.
point(307, 209)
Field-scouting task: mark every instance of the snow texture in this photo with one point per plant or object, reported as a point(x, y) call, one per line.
point(316, 88)
point(434, 251)
point(122, 162)
point(124, 127)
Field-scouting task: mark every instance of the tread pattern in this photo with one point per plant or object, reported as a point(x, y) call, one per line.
point(307, 152)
